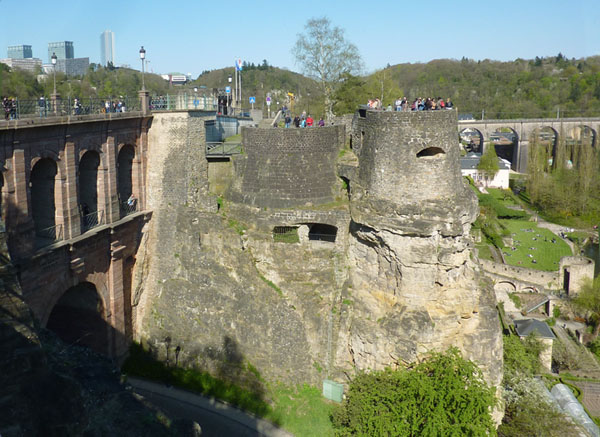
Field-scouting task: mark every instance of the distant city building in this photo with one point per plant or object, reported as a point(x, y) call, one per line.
point(468, 167)
point(63, 50)
point(19, 52)
point(29, 64)
point(73, 67)
point(107, 48)
point(175, 79)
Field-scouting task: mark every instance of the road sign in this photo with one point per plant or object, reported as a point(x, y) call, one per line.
point(252, 99)
point(228, 89)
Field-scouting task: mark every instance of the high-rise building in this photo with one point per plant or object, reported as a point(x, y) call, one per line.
point(107, 47)
point(63, 50)
point(20, 52)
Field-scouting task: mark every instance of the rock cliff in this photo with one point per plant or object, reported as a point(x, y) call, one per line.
point(373, 269)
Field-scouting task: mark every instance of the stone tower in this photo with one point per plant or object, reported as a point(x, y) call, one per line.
point(414, 284)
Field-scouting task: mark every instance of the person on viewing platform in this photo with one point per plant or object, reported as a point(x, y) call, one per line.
point(398, 104)
point(449, 104)
point(131, 201)
point(288, 120)
point(42, 106)
point(309, 121)
point(297, 121)
point(321, 122)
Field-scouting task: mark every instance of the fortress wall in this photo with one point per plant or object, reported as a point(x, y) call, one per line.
point(389, 143)
point(538, 277)
point(285, 168)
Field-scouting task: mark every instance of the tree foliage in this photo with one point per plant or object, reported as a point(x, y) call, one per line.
point(444, 395)
point(325, 55)
point(489, 162)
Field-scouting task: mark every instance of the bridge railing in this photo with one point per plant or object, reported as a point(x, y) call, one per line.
point(91, 220)
point(49, 235)
point(555, 113)
point(128, 207)
point(47, 108)
point(185, 101)
point(223, 148)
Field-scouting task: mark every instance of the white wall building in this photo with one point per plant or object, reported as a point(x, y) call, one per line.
point(468, 167)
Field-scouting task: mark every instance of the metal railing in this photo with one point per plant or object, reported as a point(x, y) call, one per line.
point(128, 207)
point(223, 148)
point(47, 108)
point(51, 234)
point(91, 220)
point(173, 102)
point(322, 237)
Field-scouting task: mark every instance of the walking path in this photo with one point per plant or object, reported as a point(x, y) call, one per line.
point(215, 418)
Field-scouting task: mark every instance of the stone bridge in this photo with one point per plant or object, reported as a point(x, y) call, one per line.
point(73, 200)
point(525, 129)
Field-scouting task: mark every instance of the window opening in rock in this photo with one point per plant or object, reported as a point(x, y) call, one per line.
point(285, 234)
point(431, 152)
point(322, 232)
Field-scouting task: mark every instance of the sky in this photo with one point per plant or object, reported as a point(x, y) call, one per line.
point(198, 35)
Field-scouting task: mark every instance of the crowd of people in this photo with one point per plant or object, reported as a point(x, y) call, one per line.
point(418, 104)
point(9, 105)
point(302, 120)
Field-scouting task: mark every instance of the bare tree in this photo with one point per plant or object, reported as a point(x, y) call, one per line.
point(325, 55)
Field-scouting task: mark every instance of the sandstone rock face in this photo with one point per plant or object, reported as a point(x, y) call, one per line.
point(415, 286)
point(375, 275)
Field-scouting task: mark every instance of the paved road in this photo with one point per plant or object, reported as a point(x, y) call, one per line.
point(216, 418)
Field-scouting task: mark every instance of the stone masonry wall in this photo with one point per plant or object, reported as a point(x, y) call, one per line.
point(285, 168)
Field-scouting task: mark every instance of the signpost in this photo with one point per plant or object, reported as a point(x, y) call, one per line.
point(269, 104)
point(252, 101)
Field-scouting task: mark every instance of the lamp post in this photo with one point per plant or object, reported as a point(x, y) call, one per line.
point(144, 95)
point(53, 59)
point(195, 97)
point(143, 57)
point(230, 96)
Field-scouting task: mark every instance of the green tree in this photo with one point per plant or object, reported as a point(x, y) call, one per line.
point(488, 163)
point(588, 300)
point(444, 395)
point(325, 55)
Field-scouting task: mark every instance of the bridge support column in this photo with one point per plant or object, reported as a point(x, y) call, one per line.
point(67, 204)
point(145, 101)
point(520, 156)
point(19, 220)
point(110, 195)
point(117, 304)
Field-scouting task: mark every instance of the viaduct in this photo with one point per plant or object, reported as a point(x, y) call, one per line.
point(74, 202)
point(525, 129)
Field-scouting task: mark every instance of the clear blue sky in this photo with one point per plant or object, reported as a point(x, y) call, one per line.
point(193, 36)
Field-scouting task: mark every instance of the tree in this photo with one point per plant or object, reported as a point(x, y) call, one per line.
point(588, 300)
point(444, 395)
point(488, 163)
point(325, 55)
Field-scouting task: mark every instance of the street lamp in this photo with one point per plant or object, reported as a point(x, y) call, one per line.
point(53, 58)
point(54, 95)
point(142, 57)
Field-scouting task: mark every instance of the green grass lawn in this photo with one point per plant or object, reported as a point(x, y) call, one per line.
point(302, 410)
point(526, 235)
point(484, 251)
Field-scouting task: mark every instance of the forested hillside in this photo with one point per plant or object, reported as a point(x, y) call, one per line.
point(521, 88)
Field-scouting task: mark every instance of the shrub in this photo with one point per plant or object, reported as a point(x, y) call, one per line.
point(444, 395)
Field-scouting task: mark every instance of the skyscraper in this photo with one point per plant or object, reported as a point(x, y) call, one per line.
point(63, 50)
point(19, 52)
point(107, 48)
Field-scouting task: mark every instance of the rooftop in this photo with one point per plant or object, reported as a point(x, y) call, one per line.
point(525, 327)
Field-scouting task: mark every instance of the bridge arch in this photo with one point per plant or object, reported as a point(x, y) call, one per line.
point(43, 191)
point(506, 143)
point(125, 176)
point(78, 317)
point(88, 189)
point(507, 286)
point(472, 139)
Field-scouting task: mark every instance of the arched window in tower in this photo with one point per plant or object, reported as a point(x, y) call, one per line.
point(431, 152)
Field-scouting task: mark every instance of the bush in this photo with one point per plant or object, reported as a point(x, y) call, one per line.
point(444, 395)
